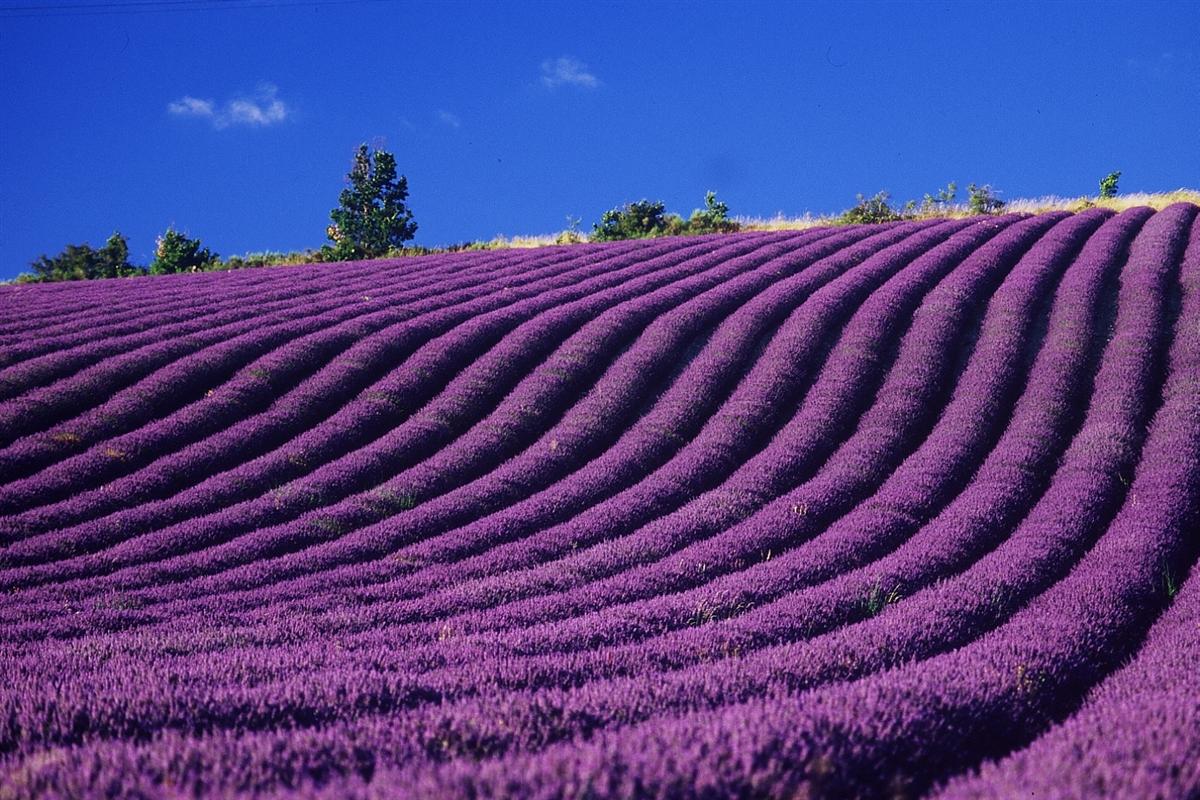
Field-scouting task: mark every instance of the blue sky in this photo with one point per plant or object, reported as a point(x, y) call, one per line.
point(236, 120)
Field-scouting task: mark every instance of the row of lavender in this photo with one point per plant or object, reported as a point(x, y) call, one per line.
point(855, 511)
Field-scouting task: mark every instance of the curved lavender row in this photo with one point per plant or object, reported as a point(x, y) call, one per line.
point(668, 425)
point(653, 272)
point(124, 305)
point(463, 397)
point(382, 350)
point(1104, 244)
point(865, 458)
point(458, 732)
point(52, 355)
point(119, 310)
point(1054, 378)
point(320, 331)
point(915, 246)
point(77, 394)
point(896, 298)
point(707, 537)
point(1138, 734)
point(380, 706)
point(33, 308)
point(46, 407)
point(1084, 225)
point(128, 315)
point(38, 307)
point(970, 525)
point(812, 277)
point(354, 422)
point(736, 684)
point(835, 737)
point(389, 612)
point(910, 726)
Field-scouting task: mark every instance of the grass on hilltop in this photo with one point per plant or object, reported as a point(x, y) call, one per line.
point(1033, 205)
point(780, 222)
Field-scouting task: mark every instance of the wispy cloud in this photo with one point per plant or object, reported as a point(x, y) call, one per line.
point(567, 71)
point(259, 110)
point(188, 106)
point(446, 118)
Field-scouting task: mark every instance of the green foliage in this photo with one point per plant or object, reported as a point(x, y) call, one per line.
point(1108, 185)
point(870, 210)
point(79, 262)
point(639, 220)
point(176, 252)
point(645, 219)
point(938, 202)
point(371, 218)
point(713, 218)
point(983, 199)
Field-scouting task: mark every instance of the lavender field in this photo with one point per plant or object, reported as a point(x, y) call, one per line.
point(897, 510)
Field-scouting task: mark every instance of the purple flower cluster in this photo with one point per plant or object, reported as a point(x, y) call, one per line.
point(895, 510)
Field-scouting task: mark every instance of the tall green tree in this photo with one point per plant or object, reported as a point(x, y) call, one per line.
point(78, 262)
point(177, 252)
point(372, 216)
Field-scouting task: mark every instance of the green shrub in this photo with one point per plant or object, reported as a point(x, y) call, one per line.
point(870, 211)
point(983, 199)
point(645, 219)
point(713, 218)
point(639, 220)
point(1108, 185)
point(79, 262)
point(177, 252)
point(936, 204)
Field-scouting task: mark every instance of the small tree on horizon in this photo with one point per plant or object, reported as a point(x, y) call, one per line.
point(643, 219)
point(983, 199)
point(713, 218)
point(870, 210)
point(177, 252)
point(1108, 185)
point(372, 217)
point(79, 262)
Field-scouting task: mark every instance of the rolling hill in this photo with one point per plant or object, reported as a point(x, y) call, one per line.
point(895, 510)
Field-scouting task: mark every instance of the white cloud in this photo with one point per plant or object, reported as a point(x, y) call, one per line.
point(264, 108)
point(446, 118)
point(566, 71)
point(188, 106)
point(259, 110)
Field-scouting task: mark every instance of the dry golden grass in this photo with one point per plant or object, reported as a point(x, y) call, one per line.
point(519, 242)
point(1156, 200)
point(1032, 205)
